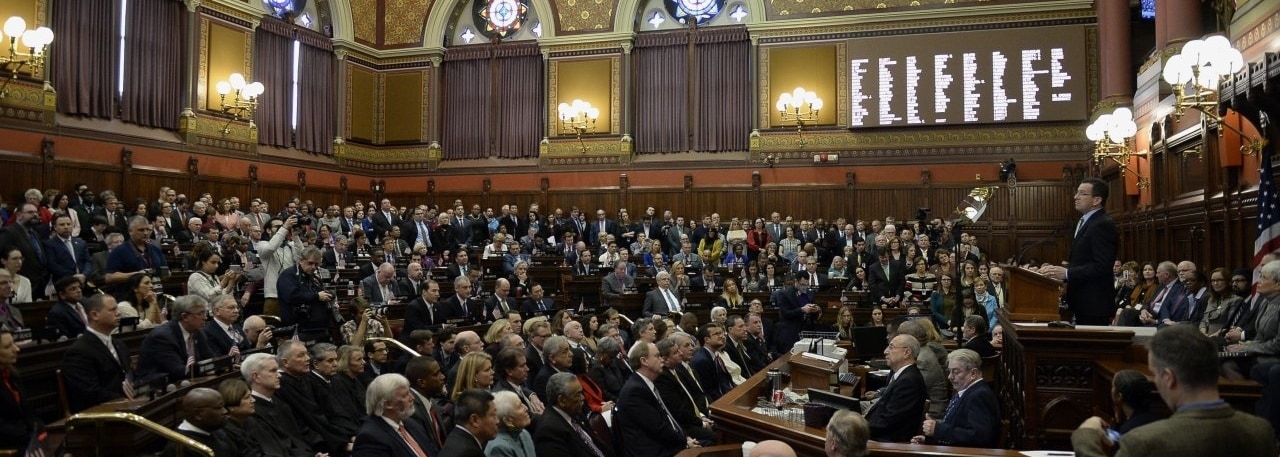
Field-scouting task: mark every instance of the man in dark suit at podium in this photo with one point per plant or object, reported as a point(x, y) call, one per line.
point(896, 417)
point(1090, 283)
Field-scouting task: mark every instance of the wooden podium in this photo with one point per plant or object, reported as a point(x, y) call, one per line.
point(1033, 297)
point(810, 373)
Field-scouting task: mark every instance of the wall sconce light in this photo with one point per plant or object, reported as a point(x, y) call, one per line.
point(243, 104)
point(1195, 75)
point(37, 42)
point(1110, 134)
point(578, 117)
point(800, 106)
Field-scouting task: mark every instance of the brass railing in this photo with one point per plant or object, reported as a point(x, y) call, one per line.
point(94, 427)
point(396, 343)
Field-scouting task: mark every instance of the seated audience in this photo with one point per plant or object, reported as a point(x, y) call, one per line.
point(1131, 397)
point(643, 423)
point(477, 423)
point(475, 371)
point(96, 367)
point(204, 415)
point(972, 417)
point(513, 438)
point(896, 414)
point(272, 423)
point(387, 430)
point(1185, 363)
point(847, 435)
point(974, 336)
point(173, 349)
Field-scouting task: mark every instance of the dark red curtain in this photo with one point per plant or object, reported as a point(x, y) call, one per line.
point(724, 89)
point(273, 67)
point(466, 103)
point(662, 92)
point(519, 118)
point(83, 57)
point(317, 92)
point(153, 65)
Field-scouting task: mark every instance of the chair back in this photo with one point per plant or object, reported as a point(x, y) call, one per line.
point(603, 434)
point(62, 394)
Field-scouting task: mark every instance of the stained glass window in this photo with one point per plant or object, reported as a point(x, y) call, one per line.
point(500, 18)
point(700, 11)
point(284, 9)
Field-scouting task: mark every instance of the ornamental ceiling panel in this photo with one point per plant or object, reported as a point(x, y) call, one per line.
point(794, 9)
point(403, 21)
point(584, 16)
point(364, 18)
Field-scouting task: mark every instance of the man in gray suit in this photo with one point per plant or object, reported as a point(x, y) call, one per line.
point(614, 285)
point(380, 287)
point(662, 299)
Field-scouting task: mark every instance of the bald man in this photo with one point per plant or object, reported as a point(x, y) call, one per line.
point(772, 448)
point(204, 416)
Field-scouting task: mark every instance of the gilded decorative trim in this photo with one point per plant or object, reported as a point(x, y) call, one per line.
point(778, 9)
point(615, 94)
point(28, 102)
point(202, 80)
point(582, 49)
point(427, 75)
point(42, 18)
point(765, 108)
point(346, 96)
point(1259, 32)
point(380, 111)
point(842, 84)
point(1093, 65)
point(863, 143)
point(938, 25)
point(229, 15)
point(401, 158)
point(608, 150)
point(205, 132)
point(553, 94)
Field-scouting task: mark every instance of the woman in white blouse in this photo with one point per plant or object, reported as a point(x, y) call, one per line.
point(203, 283)
point(21, 285)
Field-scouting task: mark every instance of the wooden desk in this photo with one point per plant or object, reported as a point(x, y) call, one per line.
point(123, 439)
point(736, 423)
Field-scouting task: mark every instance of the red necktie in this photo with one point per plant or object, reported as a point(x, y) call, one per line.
point(5, 375)
point(412, 444)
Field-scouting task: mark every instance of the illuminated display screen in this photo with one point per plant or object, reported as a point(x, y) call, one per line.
point(980, 77)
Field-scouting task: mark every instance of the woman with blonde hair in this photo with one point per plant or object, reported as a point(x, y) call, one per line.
point(497, 330)
point(730, 297)
point(475, 371)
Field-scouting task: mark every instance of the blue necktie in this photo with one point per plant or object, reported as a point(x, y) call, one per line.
point(951, 406)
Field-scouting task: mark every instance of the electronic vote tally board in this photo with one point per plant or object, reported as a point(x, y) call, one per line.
point(996, 76)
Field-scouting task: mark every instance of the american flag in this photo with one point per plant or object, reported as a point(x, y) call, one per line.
point(1268, 211)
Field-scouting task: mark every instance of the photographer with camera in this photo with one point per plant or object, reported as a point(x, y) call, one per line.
point(303, 300)
point(276, 255)
point(368, 320)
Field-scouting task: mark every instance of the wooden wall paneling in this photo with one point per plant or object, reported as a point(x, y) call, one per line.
point(277, 194)
point(98, 176)
point(144, 183)
point(222, 188)
point(661, 199)
point(29, 169)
